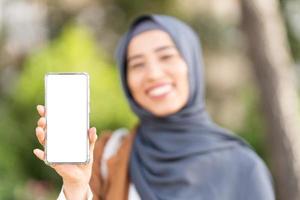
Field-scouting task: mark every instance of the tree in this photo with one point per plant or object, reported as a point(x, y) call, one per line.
point(272, 65)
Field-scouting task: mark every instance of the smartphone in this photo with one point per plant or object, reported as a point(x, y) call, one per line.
point(67, 118)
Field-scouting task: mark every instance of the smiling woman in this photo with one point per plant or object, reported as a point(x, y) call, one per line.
point(176, 151)
point(157, 75)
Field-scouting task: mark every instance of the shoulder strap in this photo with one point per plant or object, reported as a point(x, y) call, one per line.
point(96, 182)
point(111, 148)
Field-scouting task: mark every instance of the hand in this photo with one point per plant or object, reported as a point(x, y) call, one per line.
point(75, 177)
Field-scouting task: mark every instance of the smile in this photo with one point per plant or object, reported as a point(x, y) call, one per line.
point(160, 91)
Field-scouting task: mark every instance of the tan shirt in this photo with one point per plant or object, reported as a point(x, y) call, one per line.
point(116, 186)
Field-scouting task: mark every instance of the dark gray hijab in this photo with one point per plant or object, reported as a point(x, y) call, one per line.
point(185, 155)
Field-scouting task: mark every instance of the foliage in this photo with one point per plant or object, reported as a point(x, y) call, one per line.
point(74, 51)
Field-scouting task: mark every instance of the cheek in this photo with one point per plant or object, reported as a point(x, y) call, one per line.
point(185, 77)
point(180, 74)
point(134, 83)
point(182, 84)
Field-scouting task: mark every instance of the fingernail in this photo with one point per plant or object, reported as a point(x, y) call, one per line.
point(93, 129)
point(34, 151)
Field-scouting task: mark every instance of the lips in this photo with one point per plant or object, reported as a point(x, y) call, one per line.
point(159, 90)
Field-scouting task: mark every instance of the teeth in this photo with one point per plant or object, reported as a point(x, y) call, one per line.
point(160, 90)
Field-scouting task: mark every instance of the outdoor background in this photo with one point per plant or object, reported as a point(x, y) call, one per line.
point(40, 36)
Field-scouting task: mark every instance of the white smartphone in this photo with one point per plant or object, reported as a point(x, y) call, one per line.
point(67, 118)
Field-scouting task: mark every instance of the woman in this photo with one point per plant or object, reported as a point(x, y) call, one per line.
point(176, 151)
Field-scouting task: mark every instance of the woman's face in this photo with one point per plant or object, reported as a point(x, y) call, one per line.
point(157, 75)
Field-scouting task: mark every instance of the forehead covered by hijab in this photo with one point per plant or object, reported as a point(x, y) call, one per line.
point(187, 43)
point(143, 26)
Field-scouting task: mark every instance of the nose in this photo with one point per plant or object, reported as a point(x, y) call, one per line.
point(154, 70)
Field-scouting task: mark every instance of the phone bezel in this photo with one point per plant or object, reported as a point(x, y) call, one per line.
point(88, 113)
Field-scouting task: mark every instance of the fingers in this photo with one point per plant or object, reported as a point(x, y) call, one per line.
point(41, 110)
point(40, 134)
point(39, 153)
point(41, 125)
point(93, 138)
point(42, 122)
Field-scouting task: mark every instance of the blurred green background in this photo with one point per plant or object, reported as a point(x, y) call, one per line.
point(37, 37)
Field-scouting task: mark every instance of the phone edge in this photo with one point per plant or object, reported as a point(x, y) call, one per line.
point(88, 116)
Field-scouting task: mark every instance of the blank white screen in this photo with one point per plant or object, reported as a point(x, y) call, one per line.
point(67, 118)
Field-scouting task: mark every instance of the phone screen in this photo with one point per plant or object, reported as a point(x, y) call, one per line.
point(67, 117)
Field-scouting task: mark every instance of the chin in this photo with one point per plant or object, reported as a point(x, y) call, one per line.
point(164, 112)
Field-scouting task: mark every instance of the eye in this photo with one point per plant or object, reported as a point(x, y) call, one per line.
point(136, 65)
point(166, 57)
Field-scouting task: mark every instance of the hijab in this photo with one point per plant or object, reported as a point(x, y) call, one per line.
point(184, 155)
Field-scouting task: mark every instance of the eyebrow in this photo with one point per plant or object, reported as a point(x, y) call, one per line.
point(155, 50)
point(163, 48)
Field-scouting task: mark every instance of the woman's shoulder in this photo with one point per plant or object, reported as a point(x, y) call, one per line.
point(237, 159)
point(105, 150)
point(253, 172)
point(248, 157)
point(245, 160)
point(109, 142)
